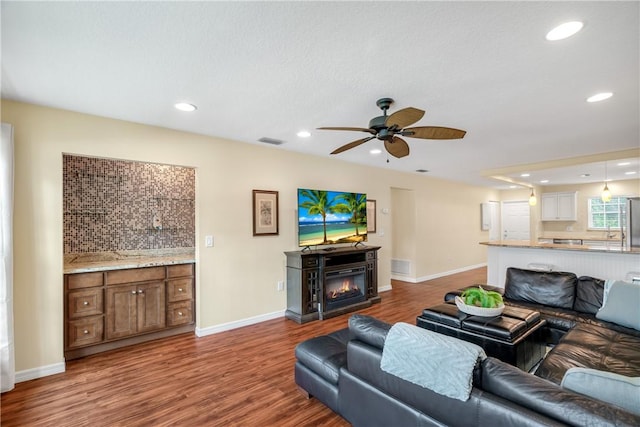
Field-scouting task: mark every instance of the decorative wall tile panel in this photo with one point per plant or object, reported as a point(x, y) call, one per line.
point(109, 205)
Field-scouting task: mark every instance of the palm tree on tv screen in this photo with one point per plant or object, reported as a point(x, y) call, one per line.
point(319, 204)
point(356, 205)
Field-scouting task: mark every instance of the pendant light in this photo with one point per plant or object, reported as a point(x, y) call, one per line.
point(532, 198)
point(606, 194)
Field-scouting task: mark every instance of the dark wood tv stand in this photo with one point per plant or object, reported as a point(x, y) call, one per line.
point(309, 273)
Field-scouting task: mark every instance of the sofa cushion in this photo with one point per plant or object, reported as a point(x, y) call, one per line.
point(616, 389)
point(589, 294)
point(550, 288)
point(595, 347)
point(622, 305)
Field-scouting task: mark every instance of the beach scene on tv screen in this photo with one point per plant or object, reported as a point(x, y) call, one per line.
point(331, 217)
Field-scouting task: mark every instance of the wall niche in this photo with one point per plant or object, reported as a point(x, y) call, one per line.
point(120, 205)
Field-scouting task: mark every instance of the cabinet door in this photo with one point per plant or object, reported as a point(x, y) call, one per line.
point(121, 311)
point(151, 306)
point(567, 206)
point(549, 203)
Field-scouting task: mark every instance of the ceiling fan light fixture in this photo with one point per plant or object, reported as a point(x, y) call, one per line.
point(599, 97)
point(564, 31)
point(185, 106)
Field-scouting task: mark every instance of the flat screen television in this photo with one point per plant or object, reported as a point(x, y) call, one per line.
point(331, 217)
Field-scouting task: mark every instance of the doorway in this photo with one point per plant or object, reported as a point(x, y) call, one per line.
point(516, 220)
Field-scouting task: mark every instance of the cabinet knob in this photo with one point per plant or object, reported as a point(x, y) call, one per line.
point(85, 303)
point(140, 291)
point(85, 331)
point(134, 292)
point(179, 313)
point(179, 289)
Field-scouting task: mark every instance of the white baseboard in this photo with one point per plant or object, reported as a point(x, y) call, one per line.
point(437, 275)
point(39, 372)
point(201, 332)
point(385, 288)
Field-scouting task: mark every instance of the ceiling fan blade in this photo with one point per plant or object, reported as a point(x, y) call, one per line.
point(433, 132)
point(351, 145)
point(404, 117)
point(397, 147)
point(371, 131)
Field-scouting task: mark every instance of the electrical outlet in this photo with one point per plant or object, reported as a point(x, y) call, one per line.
point(280, 285)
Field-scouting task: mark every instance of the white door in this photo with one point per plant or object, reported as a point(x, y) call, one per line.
point(515, 221)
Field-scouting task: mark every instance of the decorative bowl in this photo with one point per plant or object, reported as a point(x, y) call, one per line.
point(479, 311)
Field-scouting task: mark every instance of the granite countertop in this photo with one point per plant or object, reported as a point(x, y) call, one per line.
point(609, 247)
point(118, 260)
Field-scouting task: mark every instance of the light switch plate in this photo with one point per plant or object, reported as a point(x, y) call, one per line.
point(208, 241)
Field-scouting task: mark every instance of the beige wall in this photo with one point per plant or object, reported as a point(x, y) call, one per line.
point(236, 279)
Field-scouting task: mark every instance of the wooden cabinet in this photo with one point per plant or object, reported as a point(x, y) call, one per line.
point(559, 206)
point(105, 310)
point(133, 309)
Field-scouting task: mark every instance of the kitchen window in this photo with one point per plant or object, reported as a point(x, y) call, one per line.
point(606, 215)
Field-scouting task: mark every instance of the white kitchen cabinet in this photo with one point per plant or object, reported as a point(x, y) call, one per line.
point(559, 206)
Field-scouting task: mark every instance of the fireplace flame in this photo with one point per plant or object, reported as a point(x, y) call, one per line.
point(347, 286)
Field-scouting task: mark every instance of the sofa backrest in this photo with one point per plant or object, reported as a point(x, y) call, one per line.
point(368, 330)
point(550, 399)
point(589, 294)
point(550, 288)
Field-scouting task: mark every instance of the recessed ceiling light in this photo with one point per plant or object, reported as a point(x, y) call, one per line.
point(599, 97)
point(422, 170)
point(524, 175)
point(565, 30)
point(544, 181)
point(630, 173)
point(304, 134)
point(513, 186)
point(624, 163)
point(585, 175)
point(375, 151)
point(185, 106)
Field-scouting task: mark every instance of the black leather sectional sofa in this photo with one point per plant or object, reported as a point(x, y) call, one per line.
point(342, 369)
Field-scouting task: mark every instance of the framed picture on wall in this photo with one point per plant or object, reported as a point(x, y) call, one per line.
point(265, 213)
point(371, 216)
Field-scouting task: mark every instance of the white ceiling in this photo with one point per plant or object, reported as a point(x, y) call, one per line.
point(270, 69)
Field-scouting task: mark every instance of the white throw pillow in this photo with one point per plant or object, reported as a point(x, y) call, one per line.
point(621, 304)
point(616, 389)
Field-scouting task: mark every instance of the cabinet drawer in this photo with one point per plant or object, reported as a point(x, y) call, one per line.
point(84, 280)
point(85, 331)
point(135, 275)
point(180, 270)
point(179, 313)
point(87, 302)
point(179, 289)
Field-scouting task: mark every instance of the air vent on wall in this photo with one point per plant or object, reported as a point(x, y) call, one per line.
point(271, 141)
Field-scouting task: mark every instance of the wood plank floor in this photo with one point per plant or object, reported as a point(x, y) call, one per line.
point(242, 377)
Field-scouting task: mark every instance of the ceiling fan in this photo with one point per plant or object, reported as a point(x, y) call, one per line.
point(390, 128)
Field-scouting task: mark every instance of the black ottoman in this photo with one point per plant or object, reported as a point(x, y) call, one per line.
point(318, 364)
point(515, 337)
